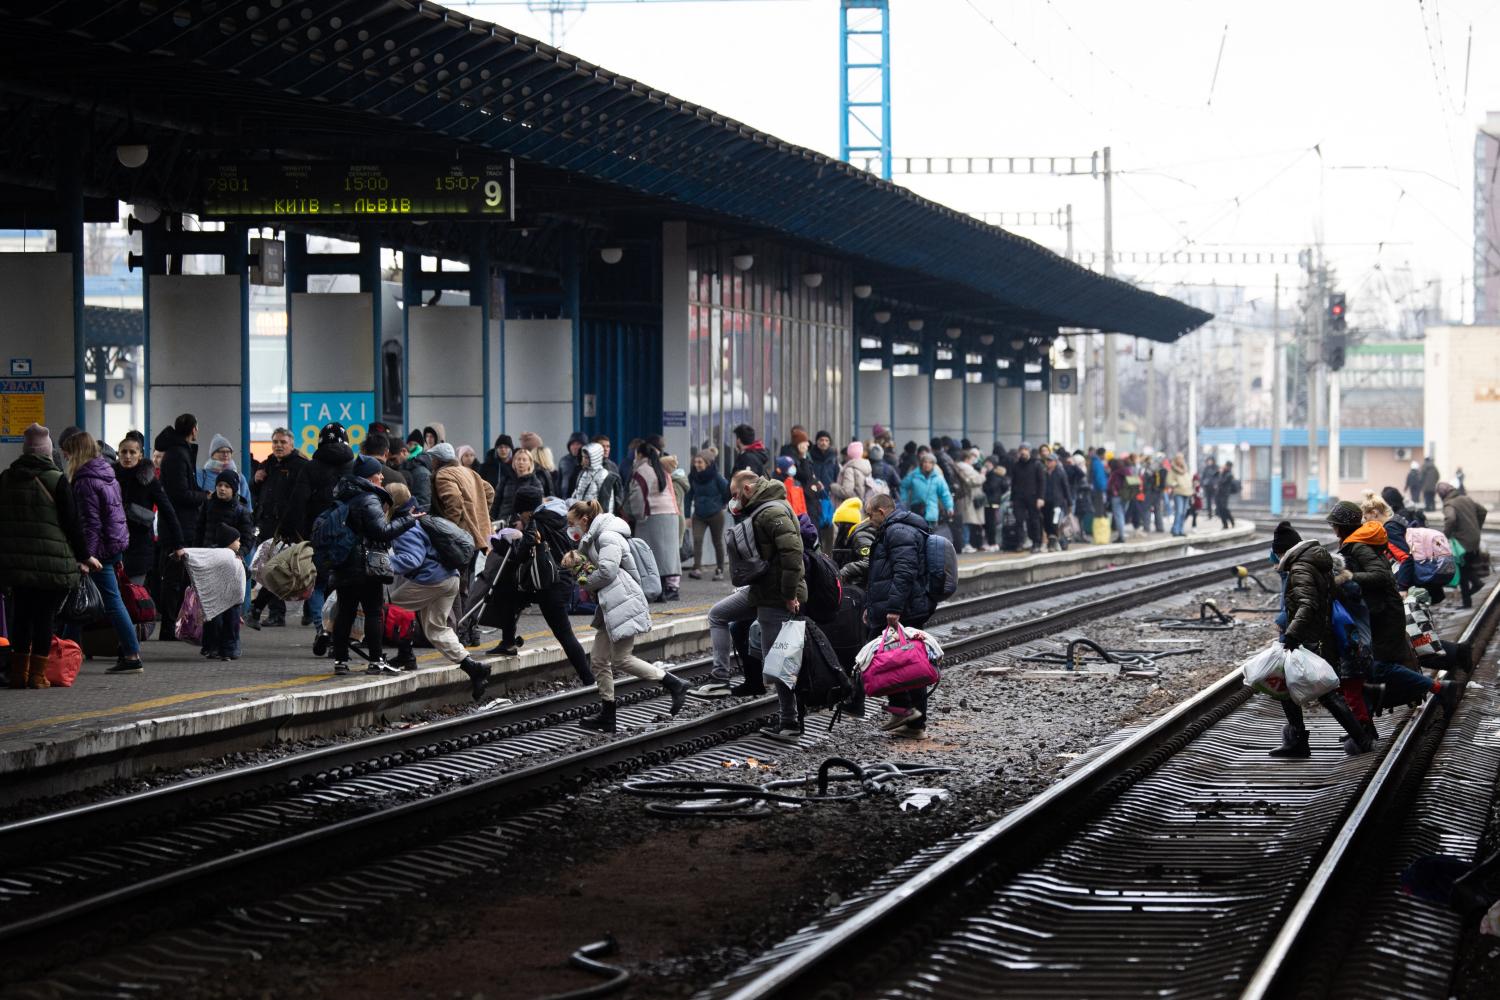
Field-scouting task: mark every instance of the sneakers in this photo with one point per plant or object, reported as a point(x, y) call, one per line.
point(718, 575)
point(321, 642)
point(694, 574)
point(786, 732)
point(124, 666)
point(381, 666)
point(340, 668)
point(968, 550)
point(898, 717)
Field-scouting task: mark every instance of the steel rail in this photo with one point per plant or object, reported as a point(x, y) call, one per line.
point(170, 895)
point(49, 833)
point(1031, 831)
point(1283, 966)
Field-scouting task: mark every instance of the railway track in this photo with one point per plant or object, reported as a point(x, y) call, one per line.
point(168, 855)
point(1179, 861)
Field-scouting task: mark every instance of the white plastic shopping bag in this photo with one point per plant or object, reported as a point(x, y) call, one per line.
point(784, 662)
point(1308, 676)
point(1265, 665)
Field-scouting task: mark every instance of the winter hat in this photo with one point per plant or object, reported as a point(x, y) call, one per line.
point(462, 449)
point(505, 441)
point(1284, 538)
point(1392, 496)
point(595, 452)
point(229, 476)
point(785, 466)
point(877, 453)
point(1443, 489)
point(226, 535)
point(798, 436)
point(528, 499)
point(878, 431)
point(855, 450)
point(333, 431)
point(416, 438)
point(365, 466)
point(220, 441)
point(531, 440)
point(442, 452)
point(1345, 515)
point(37, 440)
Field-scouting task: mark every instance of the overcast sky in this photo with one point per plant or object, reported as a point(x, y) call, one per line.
point(1386, 84)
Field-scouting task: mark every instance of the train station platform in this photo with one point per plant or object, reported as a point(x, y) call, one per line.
point(183, 709)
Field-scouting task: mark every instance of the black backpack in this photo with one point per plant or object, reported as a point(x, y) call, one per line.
point(823, 588)
point(822, 682)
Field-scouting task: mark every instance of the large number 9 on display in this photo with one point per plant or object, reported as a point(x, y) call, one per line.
point(492, 192)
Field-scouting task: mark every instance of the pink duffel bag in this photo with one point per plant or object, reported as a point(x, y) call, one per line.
point(900, 664)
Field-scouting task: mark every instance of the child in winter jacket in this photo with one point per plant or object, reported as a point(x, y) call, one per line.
point(225, 523)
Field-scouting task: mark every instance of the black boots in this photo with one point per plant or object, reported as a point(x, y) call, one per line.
point(479, 675)
point(604, 722)
point(1294, 744)
point(677, 688)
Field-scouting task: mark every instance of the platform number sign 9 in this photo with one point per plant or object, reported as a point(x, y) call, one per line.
point(311, 411)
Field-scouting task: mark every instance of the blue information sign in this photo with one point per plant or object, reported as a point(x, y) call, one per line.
point(309, 411)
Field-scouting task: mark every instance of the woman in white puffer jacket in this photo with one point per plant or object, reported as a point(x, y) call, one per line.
point(606, 569)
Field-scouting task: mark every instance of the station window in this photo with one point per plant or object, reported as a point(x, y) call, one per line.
point(1352, 464)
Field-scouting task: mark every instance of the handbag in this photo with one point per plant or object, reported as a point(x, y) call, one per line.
point(140, 515)
point(784, 662)
point(900, 664)
point(189, 626)
point(137, 599)
point(84, 605)
point(539, 571)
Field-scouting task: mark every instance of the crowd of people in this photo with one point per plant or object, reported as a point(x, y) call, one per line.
point(422, 530)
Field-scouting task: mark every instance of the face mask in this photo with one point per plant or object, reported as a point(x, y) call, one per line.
point(734, 506)
point(575, 533)
point(791, 472)
point(1275, 559)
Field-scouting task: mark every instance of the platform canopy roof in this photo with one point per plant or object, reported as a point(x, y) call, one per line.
point(198, 79)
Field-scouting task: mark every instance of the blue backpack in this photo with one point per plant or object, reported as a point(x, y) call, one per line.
point(333, 540)
point(1352, 635)
point(942, 568)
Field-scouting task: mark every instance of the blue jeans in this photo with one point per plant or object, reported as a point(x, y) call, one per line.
point(114, 610)
point(1179, 513)
point(1117, 514)
point(315, 601)
point(1404, 683)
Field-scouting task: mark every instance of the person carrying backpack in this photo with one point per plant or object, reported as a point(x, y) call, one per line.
point(896, 593)
point(772, 596)
point(427, 588)
point(352, 541)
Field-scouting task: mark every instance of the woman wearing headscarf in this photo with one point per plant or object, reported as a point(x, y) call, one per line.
point(652, 502)
point(147, 510)
point(42, 553)
point(595, 482)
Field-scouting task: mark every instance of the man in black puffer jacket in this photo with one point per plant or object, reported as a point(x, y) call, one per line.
point(1307, 613)
point(359, 580)
point(1363, 546)
point(1028, 491)
point(272, 491)
point(312, 495)
point(897, 594)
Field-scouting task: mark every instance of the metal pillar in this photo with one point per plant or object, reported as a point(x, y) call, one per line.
point(479, 273)
point(236, 262)
point(1111, 345)
point(370, 278)
point(859, 131)
point(1278, 399)
point(70, 241)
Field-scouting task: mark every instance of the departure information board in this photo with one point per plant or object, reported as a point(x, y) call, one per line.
point(324, 189)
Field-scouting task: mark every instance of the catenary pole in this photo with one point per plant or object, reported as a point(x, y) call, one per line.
point(1111, 374)
point(1278, 398)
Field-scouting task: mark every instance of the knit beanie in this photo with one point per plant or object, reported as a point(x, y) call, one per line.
point(226, 535)
point(231, 477)
point(416, 438)
point(855, 450)
point(528, 499)
point(1345, 515)
point(37, 440)
point(442, 452)
point(365, 466)
point(798, 436)
point(877, 453)
point(1285, 538)
point(531, 440)
point(333, 431)
point(504, 441)
point(1392, 497)
point(878, 431)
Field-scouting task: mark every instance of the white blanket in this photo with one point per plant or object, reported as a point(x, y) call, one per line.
point(219, 577)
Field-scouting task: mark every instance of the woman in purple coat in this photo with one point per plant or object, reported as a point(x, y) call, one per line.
point(101, 518)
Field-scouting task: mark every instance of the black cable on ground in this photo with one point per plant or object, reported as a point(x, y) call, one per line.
point(715, 799)
point(586, 958)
